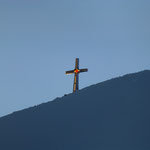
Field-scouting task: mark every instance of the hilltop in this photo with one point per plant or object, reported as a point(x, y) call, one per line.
point(112, 115)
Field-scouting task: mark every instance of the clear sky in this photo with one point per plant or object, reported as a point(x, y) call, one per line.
point(40, 39)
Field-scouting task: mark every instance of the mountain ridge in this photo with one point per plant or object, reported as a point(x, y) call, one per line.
point(103, 82)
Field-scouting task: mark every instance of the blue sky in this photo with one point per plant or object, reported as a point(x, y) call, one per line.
point(40, 39)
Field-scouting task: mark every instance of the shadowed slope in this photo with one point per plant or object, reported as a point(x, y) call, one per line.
point(112, 115)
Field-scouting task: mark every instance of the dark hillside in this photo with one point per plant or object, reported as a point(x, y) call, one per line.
point(112, 115)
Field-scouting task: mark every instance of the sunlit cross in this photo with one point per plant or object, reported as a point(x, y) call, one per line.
point(76, 72)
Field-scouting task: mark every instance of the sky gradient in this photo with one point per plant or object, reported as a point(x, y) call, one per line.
point(40, 39)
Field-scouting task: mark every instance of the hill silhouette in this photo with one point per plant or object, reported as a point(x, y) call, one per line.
point(112, 115)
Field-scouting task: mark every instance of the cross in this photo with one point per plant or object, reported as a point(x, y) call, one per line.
point(76, 72)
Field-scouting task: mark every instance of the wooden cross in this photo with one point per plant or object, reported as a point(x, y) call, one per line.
point(76, 72)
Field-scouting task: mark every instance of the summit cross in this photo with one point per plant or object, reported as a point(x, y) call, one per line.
point(76, 72)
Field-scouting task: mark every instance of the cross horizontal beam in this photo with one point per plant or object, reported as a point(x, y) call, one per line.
point(76, 71)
